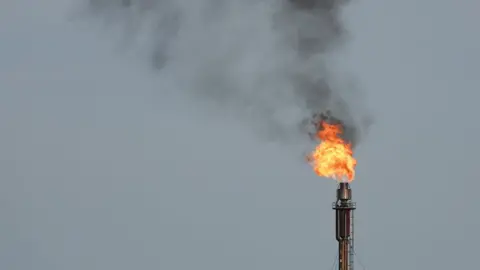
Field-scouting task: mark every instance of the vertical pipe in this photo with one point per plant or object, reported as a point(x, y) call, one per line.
point(351, 263)
point(344, 226)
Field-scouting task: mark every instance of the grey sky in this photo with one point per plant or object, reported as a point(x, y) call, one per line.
point(101, 170)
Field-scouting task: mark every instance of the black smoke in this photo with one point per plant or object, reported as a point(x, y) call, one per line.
point(267, 61)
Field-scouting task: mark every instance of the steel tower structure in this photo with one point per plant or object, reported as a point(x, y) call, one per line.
point(344, 207)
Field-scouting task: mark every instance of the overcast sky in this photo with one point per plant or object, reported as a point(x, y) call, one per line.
point(101, 170)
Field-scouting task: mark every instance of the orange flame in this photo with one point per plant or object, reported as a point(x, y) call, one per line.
point(333, 157)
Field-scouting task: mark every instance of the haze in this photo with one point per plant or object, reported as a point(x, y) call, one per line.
point(102, 170)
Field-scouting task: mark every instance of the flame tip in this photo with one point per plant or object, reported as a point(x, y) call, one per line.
point(333, 157)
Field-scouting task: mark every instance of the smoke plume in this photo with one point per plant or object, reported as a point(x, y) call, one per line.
point(264, 61)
